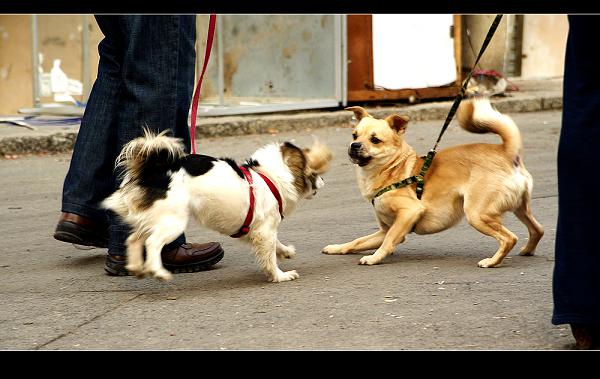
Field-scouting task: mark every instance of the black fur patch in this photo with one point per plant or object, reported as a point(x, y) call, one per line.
point(517, 161)
point(252, 162)
point(234, 166)
point(154, 176)
point(197, 164)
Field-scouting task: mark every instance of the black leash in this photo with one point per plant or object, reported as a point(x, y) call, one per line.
point(419, 179)
point(463, 88)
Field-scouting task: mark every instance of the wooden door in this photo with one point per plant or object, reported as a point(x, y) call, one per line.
point(361, 85)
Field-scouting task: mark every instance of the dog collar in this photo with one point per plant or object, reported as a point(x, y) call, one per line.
point(246, 226)
point(419, 179)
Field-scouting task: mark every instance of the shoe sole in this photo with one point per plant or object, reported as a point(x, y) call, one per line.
point(117, 268)
point(69, 232)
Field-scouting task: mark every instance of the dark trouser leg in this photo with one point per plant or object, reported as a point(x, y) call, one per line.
point(158, 80)
point(576, 288)
point(145, 78)
point(89, 179)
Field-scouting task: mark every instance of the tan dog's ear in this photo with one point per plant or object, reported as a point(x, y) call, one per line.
point(359, 112)
point(397, 122)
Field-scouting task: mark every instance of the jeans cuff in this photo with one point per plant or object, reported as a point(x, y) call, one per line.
point(96, 215)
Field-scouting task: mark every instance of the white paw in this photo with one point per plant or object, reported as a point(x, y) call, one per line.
point(332, 249)
point(288, 252)
point(487, 262)
point(368, 260)
point(161, 274)
point(286, 276)
point(135, 269)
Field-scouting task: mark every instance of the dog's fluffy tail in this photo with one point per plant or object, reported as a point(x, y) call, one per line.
point(477, 116)
point(318, 157)
point(144, 160)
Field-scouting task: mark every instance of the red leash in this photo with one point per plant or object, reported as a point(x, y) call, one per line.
point(209, 41)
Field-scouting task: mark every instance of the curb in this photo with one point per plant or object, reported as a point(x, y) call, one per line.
point(62, 142)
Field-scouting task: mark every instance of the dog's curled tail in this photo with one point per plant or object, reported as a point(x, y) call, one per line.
point(319, 157)
point(143, 160)
point(476, 115)
point(148, 152)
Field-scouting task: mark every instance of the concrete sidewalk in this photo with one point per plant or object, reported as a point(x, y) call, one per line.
point(428, 295)
point(533, 95)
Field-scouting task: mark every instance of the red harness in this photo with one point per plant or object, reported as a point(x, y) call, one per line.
point(246, 227)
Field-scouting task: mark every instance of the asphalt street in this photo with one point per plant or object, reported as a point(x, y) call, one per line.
point(429, 295)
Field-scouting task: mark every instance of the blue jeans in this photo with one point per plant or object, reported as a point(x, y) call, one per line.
point(576, 277)
point(145, 78)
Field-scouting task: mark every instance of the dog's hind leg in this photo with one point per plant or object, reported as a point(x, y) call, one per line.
point(264, 246)
point(491, 225)
point(372, 241)
point(283, 251)
point(166, 230)
point(135, 254)
point(536, 230)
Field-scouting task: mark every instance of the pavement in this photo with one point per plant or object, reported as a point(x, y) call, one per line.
point(428, 295)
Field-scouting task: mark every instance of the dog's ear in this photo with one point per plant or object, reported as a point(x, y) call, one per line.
point(359, 112)
point(397, 122)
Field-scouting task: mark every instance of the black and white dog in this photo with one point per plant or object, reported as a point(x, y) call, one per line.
point(162, 187)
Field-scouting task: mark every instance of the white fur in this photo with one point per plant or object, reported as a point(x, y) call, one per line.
point(218, 199)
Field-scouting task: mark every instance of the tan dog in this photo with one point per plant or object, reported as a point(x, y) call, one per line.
point(481, 181)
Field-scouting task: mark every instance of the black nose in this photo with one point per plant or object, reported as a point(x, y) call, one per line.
point(355, 145)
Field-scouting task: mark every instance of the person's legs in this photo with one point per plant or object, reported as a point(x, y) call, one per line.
point(145, 79)
point(576, 287)
point(158, 80)
point(89, 179)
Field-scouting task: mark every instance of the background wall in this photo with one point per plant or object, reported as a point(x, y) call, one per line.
point(543, 47)
point(544, 42)
point(474, 30)
point(59, 37)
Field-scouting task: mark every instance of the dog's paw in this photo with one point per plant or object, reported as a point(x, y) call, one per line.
point(135, 269)
point(332, 249)
point(526, 251)
point(161, 274)
point(487, 263)
point(285, 276)
point(368, 260)
point(287, 252)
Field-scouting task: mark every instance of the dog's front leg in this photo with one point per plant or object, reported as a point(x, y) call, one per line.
point(135, 254)
point(285, 252)
point(372, 241)
point(264, 246)
point(164, 231)
point(403, 224)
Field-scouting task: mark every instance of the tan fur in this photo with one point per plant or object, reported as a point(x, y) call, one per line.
point(481, 181)
point(306, 163)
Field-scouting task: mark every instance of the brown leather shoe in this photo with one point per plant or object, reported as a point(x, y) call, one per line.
point(189, 257)
point(586, 336)
point(81, 231)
